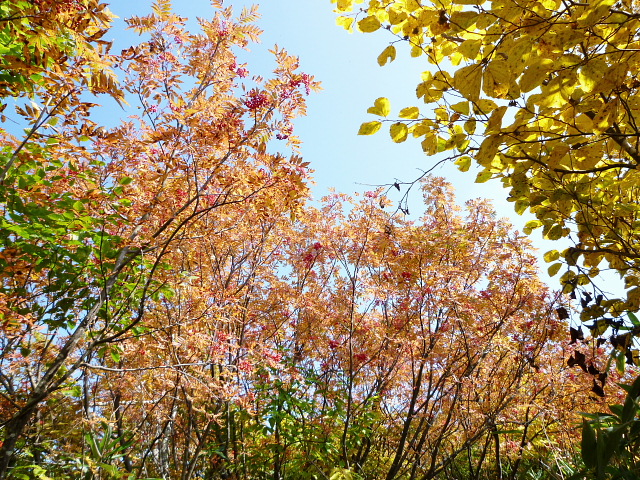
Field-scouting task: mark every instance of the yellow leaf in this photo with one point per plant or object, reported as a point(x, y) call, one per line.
point(468, 2)
point(484, 106)
point(369, 128)
point(468, 81)
point(344, 5)
point(410, 113)
point(399, 132)
point(596, 10)
point(496, 79)
point(519, 184)
point(495, 121)
point(531, 225)
point(518, 54)
point(422, 128)
point(583, 123)
point(442, 115)
point(388, 54)
point(396, 17)
point(483, 176)
point(345, 22)
point(470, 126)
point(369, 24)
point(521, 205)
point(535, 74)
point(381, 107)
point(591, 73)
point(470, 48)
point(488, 150)
point(551, 256)
point(484, 20)
point(430, 144)
point(463, 163)
point(555, 233)
point(461, 107)
point(605, 117)
point(613, 78)
point(554, 269)
point(557, 155)
point(463, 20)
point(633, 298)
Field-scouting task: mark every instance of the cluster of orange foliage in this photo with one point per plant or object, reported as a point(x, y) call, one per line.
point(170, 307)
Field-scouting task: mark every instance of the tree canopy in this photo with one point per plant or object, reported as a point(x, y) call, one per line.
point(542, 96)
point(173, 306)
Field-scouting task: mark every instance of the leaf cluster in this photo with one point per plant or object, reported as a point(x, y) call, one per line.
point(541, 96)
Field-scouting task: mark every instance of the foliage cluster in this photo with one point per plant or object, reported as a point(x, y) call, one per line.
point(541, 95)
point(170, 306)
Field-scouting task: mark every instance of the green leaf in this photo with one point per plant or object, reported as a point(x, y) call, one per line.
point(588, 446)
point(621, 362)
point(369, 128)
point(115, 356)
point(630, 408)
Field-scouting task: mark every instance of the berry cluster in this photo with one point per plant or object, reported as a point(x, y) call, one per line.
point(256, 101)
point(305, 80)
point(59, 6)
point(224, 30)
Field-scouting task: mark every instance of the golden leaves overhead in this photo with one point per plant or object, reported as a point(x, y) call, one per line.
point(536, 76)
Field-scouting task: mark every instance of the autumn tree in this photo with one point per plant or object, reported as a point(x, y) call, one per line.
point(420, 349)
point(51, 53)
point(48, 45)
point(542, 96)
point(170, 307)
point(101, 227)
point(351, 342)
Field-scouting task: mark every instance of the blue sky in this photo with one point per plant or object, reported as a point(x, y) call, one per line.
point(352, 79)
